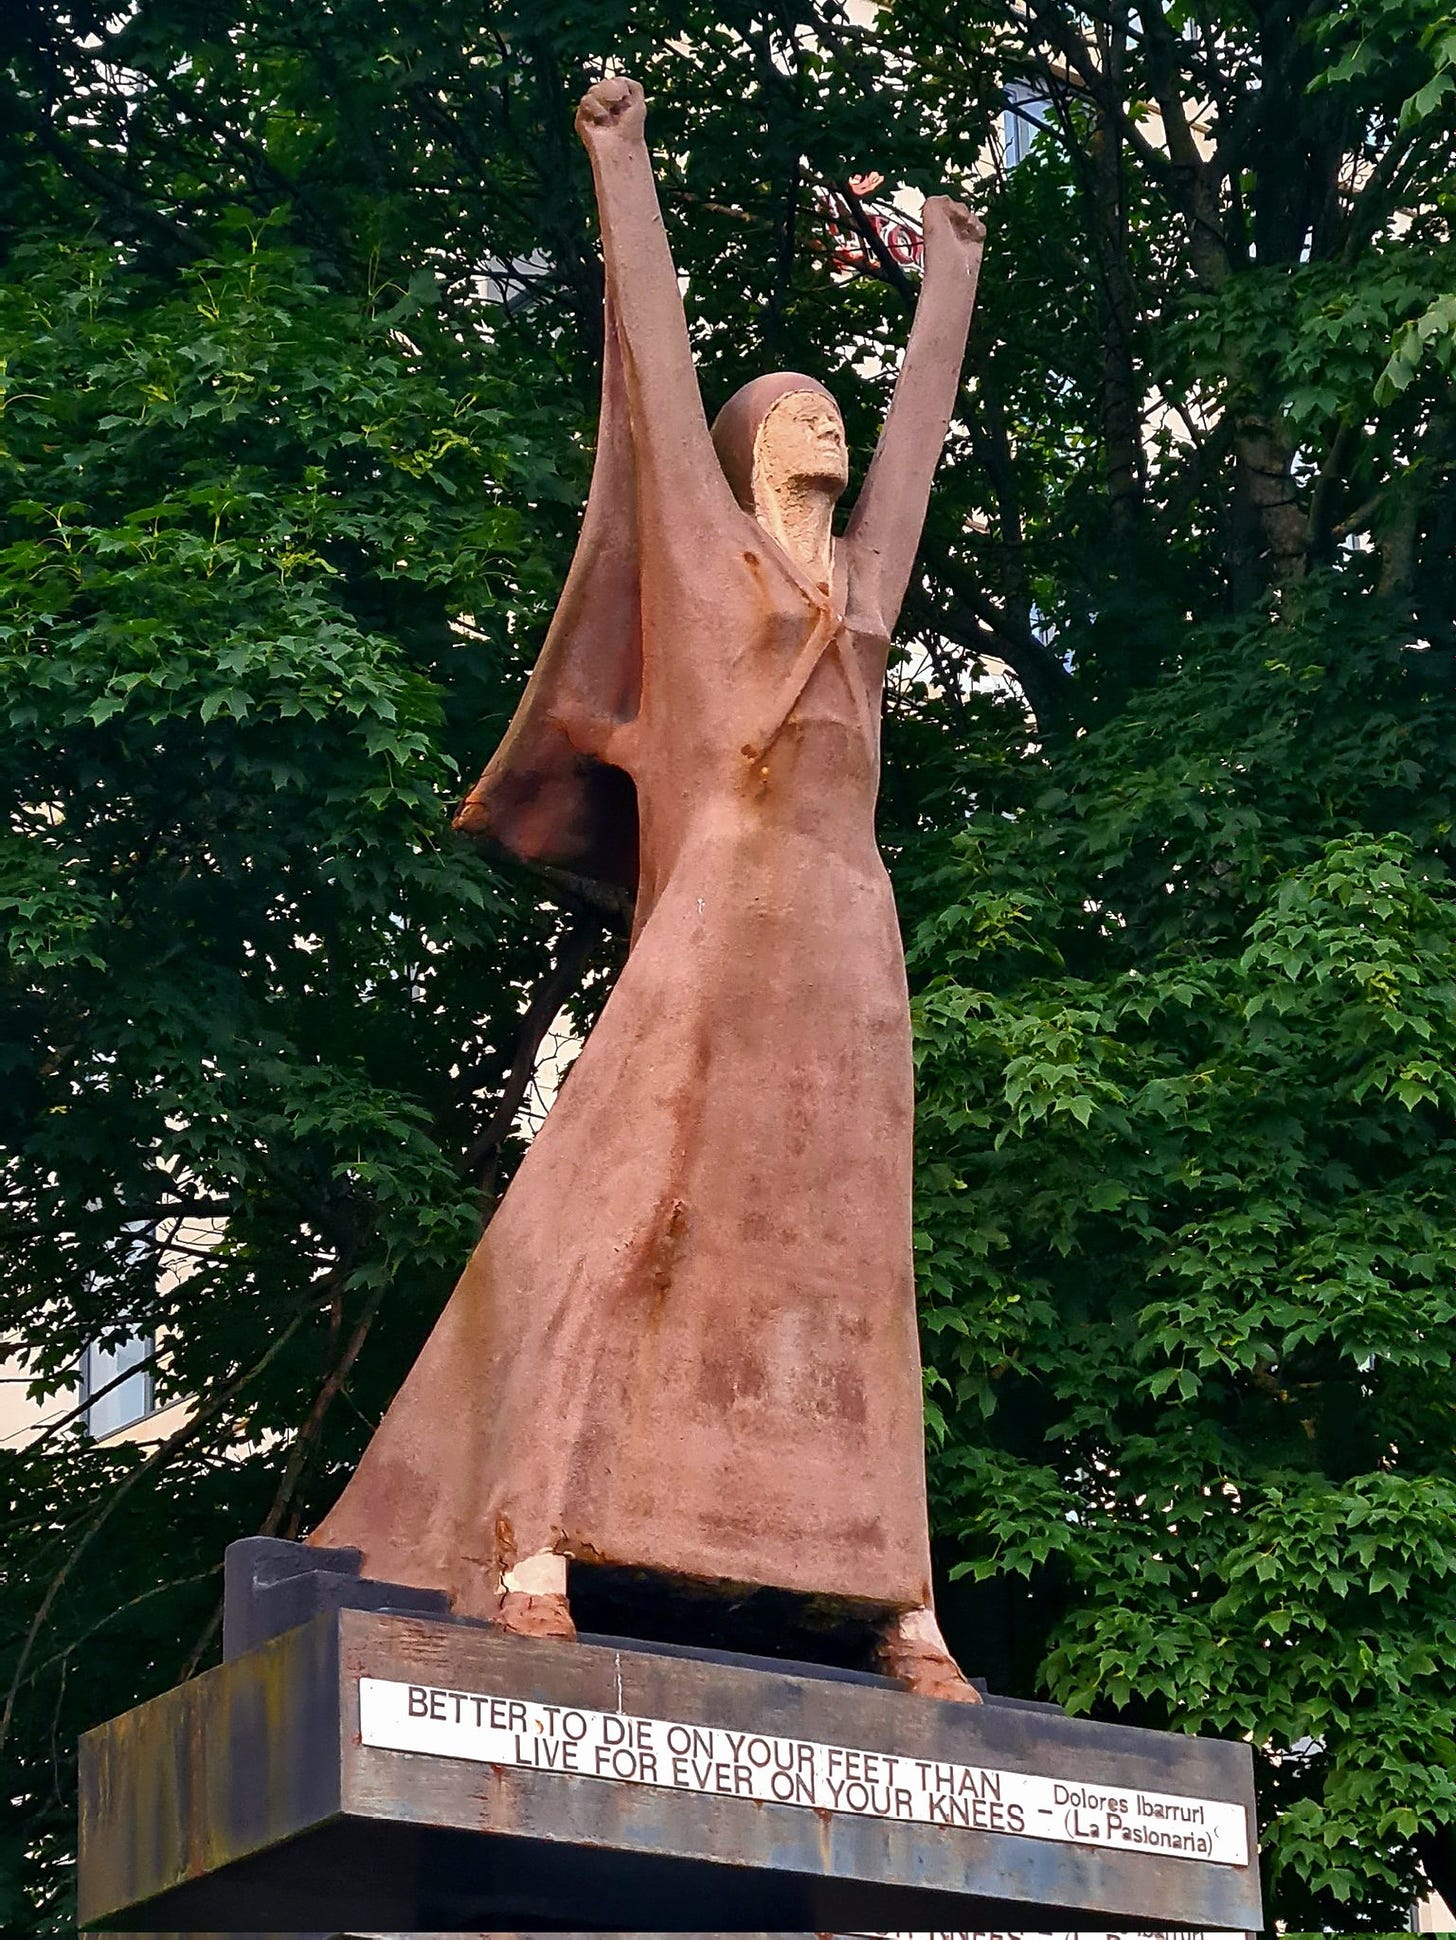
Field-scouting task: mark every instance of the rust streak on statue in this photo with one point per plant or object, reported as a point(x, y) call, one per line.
point(686, 1343)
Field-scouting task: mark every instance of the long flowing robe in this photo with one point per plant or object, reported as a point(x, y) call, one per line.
point(686, 1342)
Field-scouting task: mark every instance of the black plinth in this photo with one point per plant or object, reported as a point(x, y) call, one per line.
point(249, 1801)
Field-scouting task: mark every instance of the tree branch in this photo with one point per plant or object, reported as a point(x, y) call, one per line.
point(556, 986)
point(890, 270)
point(205, 1411)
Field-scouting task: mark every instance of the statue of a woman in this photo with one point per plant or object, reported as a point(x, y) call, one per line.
point(686, 1343)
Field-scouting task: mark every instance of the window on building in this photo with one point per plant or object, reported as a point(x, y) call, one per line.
point(131, 1398)
point(1028, 110)
point(515, 282)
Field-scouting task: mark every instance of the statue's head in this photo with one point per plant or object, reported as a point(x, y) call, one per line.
point(781, 437)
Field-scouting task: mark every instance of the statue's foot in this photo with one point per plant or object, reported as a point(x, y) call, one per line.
point(533, 1599)
point(912, 1650)
point(536, 1616)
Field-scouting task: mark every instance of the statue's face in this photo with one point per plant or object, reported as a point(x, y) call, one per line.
point(802, 443)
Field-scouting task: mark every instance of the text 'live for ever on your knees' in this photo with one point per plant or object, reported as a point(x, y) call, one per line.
point(623, 1748)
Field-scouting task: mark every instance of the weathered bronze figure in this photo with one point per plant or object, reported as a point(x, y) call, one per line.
point(687, 1343)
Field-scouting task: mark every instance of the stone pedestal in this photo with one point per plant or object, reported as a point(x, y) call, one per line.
point(375, 1772)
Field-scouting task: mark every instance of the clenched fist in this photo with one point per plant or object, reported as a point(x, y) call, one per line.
point(614, 107)
point(952, 230)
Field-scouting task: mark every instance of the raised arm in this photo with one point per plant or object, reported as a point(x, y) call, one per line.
point(669, 427)
point(891, 511)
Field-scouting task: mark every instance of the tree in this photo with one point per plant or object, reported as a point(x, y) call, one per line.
point(285, 504)
point(1185, 988)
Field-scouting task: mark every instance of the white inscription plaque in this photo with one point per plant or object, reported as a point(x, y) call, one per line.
point(621, 1748)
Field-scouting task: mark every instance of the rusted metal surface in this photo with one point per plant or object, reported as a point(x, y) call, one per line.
point(246, 1800)
point(231, 1763)
point(497, 1933)
point(270, 1586)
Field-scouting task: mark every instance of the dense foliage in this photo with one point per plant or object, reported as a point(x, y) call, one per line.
point(285, 493)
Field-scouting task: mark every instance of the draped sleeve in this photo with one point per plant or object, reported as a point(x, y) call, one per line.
point(553, 792)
